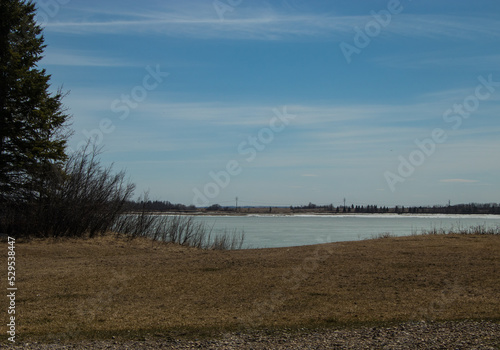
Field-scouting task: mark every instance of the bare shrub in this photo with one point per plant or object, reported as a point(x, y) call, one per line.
point(383, 235)
point(84, 199)
point(81, 198)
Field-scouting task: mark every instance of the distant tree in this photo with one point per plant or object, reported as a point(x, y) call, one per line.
point(33, 131)
point(214, 207)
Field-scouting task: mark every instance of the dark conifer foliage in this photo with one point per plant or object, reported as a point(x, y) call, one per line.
point(33, 122)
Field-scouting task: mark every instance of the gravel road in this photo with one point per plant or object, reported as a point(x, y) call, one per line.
point(415, 335)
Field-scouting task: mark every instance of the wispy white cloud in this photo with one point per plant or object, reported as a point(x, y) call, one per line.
point(439, 60)
point(200, 20)
point(81, 58)
point(255, 115)
point(438, 26)
point(262, 28)
point(458, 181)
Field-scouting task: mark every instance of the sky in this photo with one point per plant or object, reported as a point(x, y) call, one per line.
point(285, 102)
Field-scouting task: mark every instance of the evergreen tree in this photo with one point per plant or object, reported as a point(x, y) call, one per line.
point(33, 121)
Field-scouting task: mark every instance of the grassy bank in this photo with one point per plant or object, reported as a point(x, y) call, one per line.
point(104, 287)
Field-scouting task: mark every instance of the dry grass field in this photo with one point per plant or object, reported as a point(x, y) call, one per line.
point(117, 287)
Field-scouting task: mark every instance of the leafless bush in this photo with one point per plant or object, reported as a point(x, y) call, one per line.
point(82, 198)
point(383, 235)
point(85, 199)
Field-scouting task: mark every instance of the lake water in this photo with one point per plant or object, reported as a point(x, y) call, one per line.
point(267, 231)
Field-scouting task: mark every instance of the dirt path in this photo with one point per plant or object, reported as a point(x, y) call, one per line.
point(420, 335)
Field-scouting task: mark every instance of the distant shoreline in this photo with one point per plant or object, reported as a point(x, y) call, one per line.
point(229, 213)
point(313, 209)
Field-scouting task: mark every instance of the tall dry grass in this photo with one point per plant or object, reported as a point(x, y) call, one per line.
point(469, 230)
point(183, 230)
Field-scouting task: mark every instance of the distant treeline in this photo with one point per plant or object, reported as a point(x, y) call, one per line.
point(472, 208)
point(166, 206)
point(149, 205)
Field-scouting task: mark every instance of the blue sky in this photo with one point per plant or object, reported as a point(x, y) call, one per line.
point(285, 102)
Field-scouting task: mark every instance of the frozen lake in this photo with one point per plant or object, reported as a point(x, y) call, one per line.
point(267, 231)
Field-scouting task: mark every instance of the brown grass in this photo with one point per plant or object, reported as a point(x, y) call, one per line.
point(70, 289)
